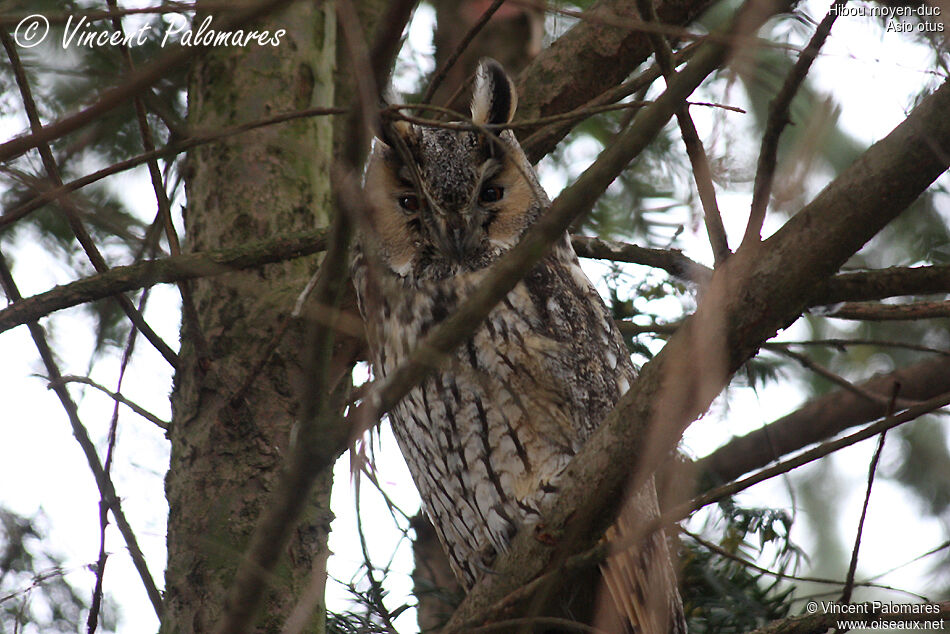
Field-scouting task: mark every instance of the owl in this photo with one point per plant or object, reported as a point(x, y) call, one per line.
point(488, 436)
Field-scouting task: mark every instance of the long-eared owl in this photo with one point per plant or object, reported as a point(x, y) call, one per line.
point(488, 436)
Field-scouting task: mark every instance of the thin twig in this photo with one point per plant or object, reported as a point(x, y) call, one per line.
point(462, 46)
point(889, 422)
point(465, 123)
point(167, 152)
point(103, 482)
point(189, 311)
point(138, 409)
point(777, 120)
point(694, 146)
point(824, 372)
point(880, 343)
point(932, 551)
point(92, 620)
point(72, 217)
point(545, 138)
point(872, 470)
point(135, 83)
point(722, 552)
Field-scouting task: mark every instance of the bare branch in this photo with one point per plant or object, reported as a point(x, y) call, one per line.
point(103, 482)
point(672, 261)
point(113, 97)
point(722, 552)
point(889, 422)
point(777, 120)
point(694, 146)
point(872, 470)
point(462, 45)
point(878, 343)
point(72, 216)
point(138, 409)
point(595, 56)
point(167, 152)
point(824, 372)
point(878, 284)
point(823, 418)
point(891, 312)
point(761, 288)
point(122, 279)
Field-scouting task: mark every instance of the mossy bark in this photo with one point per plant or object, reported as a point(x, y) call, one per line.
point(226, 451)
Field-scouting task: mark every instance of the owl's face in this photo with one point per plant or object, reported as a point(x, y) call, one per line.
point(445, 201)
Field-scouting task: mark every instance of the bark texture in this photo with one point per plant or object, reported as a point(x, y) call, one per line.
point(595, 55)
point(823, 418)
point(226, 449)
point(759, 290)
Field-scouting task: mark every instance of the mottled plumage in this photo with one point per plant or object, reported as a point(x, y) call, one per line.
point(487, 437)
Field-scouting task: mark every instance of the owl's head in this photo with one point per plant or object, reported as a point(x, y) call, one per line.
point(447, 200)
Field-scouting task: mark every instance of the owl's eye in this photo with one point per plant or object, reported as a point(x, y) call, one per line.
point(409, 202)
point(491, 194)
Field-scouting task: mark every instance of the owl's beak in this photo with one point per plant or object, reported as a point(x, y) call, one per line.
point(454, 234)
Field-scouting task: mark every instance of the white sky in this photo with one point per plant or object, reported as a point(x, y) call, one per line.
point(43, 471)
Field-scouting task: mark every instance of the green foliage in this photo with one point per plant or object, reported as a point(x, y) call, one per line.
point(35, 595)
point(723, 595)
point(761, 370)
point(62, 84)
point(368, 616)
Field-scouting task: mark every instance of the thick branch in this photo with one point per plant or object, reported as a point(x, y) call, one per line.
point(869, 311)
point(122, 279)
point(760, 289)
point(592, 57)
point(823, 418)
point(890, 282)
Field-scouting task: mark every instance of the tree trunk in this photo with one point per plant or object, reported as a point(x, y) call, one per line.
point(228, 441)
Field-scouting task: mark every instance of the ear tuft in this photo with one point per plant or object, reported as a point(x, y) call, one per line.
point(494, 99)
